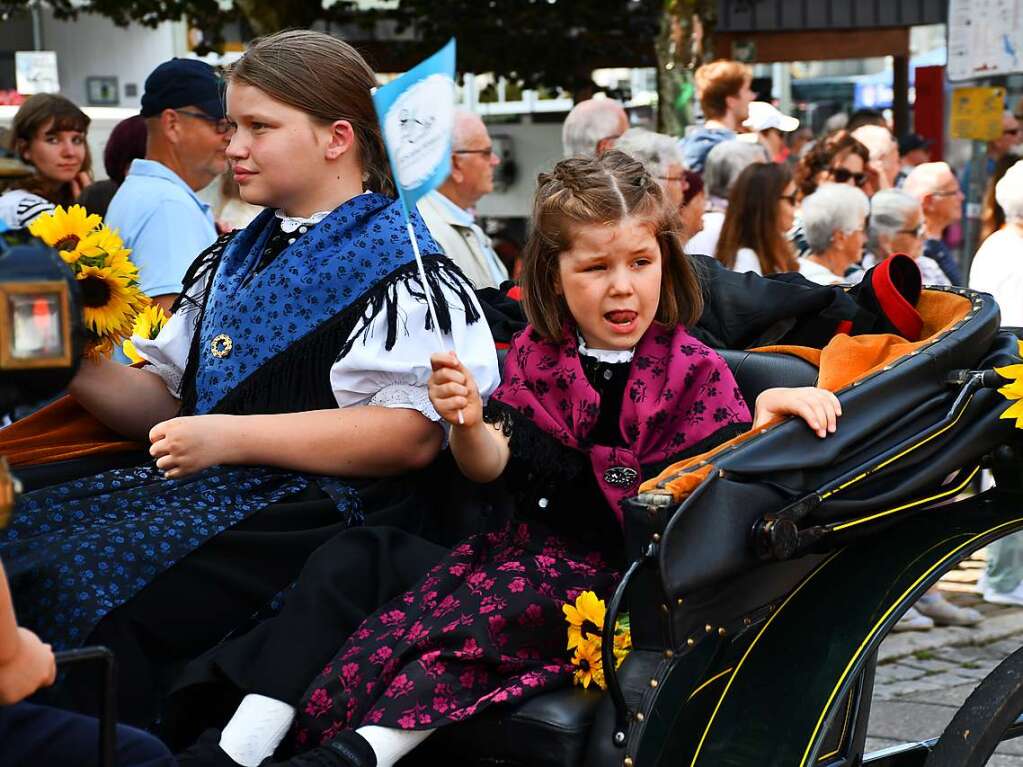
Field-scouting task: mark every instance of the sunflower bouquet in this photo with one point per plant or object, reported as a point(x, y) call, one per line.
point(585, 626)
point(106, 276)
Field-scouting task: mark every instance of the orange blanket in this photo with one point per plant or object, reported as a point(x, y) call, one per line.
point(58, 432)
point(845, 359)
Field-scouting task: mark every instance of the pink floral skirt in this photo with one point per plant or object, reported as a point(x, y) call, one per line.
point(484, 627)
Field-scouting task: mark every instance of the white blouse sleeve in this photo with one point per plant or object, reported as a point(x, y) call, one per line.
point(168, 352)
point(371, 375)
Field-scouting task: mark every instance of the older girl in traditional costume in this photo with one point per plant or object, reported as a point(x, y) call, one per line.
point(603, 388)
point(292, 375)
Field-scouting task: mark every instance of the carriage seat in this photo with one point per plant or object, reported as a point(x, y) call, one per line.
point(757, 371)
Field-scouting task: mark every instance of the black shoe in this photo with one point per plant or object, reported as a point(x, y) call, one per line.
point(348, 749)
point(206, 752)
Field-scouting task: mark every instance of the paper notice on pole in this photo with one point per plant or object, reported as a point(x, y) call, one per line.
point(36, 72)
point(985, 38)
point(977, 113)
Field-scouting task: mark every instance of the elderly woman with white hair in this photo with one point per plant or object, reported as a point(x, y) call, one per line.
point(897, 226)
point(723, 165)
point(662, 158)
point(834, 221)
point(998, 266)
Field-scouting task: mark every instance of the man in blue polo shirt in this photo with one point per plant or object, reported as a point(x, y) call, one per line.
point(156, 209)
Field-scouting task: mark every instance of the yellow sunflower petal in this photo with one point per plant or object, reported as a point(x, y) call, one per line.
point(1012, 372)
point(63, 229)
point(1015, 410)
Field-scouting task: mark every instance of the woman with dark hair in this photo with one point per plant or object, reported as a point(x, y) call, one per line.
point(127, 142)
point(761, 209)
point(838, 158)
point(992, 217)
point(48, 134)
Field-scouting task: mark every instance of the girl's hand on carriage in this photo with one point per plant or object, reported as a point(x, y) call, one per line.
point(453, 391)
point(31, 668)
point(185, 445)
point(818, 407)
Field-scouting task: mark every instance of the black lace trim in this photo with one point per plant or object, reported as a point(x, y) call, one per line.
point(543, 461)
point(298, 379)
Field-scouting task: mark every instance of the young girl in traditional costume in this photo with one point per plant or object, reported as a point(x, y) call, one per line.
point(285, 400)
point(604, 387)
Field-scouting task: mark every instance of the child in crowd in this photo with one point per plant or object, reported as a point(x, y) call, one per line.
point(605, 387)
point(285, 399)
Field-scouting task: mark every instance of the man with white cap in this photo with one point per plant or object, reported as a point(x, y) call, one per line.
point(768, 125)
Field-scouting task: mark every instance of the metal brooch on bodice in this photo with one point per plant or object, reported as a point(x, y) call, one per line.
point(221, 346)
point(621, 476)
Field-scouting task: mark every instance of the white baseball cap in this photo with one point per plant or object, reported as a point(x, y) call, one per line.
point(763, 116)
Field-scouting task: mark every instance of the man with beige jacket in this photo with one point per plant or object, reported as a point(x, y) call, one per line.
point(447, 210)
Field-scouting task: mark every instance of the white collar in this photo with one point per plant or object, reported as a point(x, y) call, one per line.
point(610, 356)
point(290, 223)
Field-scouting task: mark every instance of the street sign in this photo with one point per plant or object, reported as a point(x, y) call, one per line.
point(977, 113)
point(985, 38)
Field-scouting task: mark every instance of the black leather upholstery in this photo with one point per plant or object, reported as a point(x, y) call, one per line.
point(756, 371)
point(546, 731)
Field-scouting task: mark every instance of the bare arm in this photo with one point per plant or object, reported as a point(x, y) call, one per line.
point(480, 449)
point(128, 400)
point(165, 301)
point(26, 663)
point(365, 441)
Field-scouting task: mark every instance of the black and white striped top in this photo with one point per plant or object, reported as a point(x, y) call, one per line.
point(19, 208)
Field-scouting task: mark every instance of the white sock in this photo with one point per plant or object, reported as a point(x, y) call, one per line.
point(256, 729)
point(391, 744)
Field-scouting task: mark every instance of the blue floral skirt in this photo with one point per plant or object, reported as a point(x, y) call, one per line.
point(76, 551)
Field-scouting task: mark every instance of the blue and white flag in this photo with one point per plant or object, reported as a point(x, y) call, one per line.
point(417, 116)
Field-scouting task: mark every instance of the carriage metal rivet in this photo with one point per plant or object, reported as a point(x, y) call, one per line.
point(678, 601)
point(639, 716)
point(653, 682)
point(669, 654)
point(656, 537)
point(709, 628)
point(628, 761)
point(721, 631)
point(619, 737)
point(747, 621)
point(665, 609)
point(690, 641)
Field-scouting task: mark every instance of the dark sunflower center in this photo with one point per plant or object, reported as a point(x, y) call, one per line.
point(68, 243)
point(589, 627)
point(95, 291)
point(584, 664)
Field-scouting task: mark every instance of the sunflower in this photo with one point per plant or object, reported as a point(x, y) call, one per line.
point(623, 642)
point(64, 229)
point(588, 665)
point(103, 245)
point(148, 324)
point(1013, 390)
point(107, 301)
point(585, 619)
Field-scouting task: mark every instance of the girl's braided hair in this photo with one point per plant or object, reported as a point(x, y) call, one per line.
point(583, 191)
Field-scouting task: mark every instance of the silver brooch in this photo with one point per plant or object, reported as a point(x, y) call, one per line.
point(621, 476)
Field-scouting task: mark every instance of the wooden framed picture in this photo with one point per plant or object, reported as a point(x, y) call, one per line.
point(35, 326)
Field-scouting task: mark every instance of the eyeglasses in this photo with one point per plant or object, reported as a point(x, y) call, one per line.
point(486, 151)
point(220, 124)
point(843, 175)
point(789, 198)
point(917, 232)
point(946, 193)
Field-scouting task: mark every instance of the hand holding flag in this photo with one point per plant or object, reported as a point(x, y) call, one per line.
point(417, 115)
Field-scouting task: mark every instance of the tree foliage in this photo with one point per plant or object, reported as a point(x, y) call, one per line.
point(536, 42)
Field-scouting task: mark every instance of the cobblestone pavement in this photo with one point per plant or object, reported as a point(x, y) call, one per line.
point(924, 677)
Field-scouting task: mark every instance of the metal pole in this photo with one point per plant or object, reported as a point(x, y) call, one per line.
point(37, 26)
point(900, 95)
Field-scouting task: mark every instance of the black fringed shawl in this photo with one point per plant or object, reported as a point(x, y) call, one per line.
point(298, 378)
